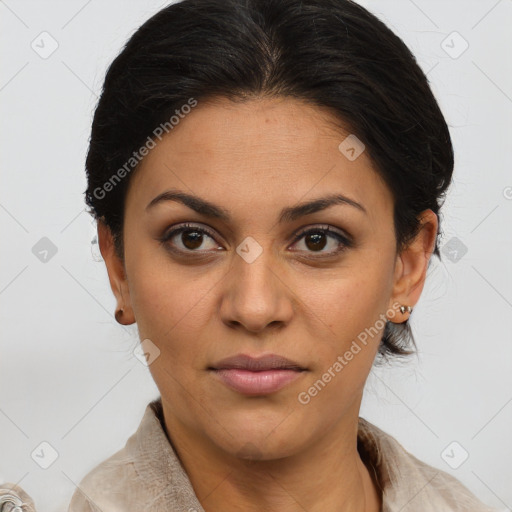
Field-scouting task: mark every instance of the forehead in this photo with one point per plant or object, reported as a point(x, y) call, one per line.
point(261, 151)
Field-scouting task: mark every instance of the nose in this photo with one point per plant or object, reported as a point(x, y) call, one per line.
point(255, 295)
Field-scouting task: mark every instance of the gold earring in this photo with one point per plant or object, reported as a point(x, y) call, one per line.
point(405, 309)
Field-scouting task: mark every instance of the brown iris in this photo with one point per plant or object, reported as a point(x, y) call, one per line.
point(193, 238)
point(315, 241)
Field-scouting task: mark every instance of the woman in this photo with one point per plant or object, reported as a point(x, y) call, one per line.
point(267, 177)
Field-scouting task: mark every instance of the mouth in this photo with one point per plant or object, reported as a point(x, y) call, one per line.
point(256, 375)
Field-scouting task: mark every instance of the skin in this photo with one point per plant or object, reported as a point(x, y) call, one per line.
point(264, 453)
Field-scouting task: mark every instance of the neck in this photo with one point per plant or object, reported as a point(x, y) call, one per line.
point(328, 476)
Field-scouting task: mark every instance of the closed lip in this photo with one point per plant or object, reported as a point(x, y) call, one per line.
point(257, 363)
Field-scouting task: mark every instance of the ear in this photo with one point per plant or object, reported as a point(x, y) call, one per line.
point(116, 273)
point(412, 265)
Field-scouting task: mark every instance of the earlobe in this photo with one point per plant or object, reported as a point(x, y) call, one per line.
point(116, 275)
point(412, 264)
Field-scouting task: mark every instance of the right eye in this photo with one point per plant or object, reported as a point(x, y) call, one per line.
point(188, 238)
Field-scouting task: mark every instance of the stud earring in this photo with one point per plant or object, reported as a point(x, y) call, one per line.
point(405, 309)
point(118, 315)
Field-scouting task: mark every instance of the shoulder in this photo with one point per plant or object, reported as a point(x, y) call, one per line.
point(104, 487)
point(144, 475)
point(123, 479)
point(13, 496)
point(408, 484)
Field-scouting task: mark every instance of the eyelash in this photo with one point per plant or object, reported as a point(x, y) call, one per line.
point(344, 240)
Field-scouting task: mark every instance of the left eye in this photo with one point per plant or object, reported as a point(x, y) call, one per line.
point(316, 239)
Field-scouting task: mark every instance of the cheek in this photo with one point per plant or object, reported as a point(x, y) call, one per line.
point(346, 319)
point(352, 326)
point(170, 303)
point(172, 312)
point(350, 300)
point(168, 311)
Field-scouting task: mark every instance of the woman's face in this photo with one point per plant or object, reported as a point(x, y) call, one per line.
point(244, 279)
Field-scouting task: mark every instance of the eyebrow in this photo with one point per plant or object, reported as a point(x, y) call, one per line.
point(288, 214)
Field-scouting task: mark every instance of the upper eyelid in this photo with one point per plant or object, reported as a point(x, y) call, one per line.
point(322, 227)
point(186, 226)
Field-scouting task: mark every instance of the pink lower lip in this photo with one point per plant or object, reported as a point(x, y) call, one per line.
point(257, 383)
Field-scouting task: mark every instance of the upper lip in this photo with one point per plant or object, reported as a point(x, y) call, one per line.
point(266, 362)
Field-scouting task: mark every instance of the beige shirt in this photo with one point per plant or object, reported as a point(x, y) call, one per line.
point(146, 475)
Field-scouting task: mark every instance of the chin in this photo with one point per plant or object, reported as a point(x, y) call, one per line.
point(260, 442)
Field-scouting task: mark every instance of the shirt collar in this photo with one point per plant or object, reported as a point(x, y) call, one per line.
point(404, 480)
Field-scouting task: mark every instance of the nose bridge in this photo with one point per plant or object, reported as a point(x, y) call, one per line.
point(255, 296)
point(252, 268)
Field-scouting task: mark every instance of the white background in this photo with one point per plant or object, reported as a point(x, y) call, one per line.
point(67, 373)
